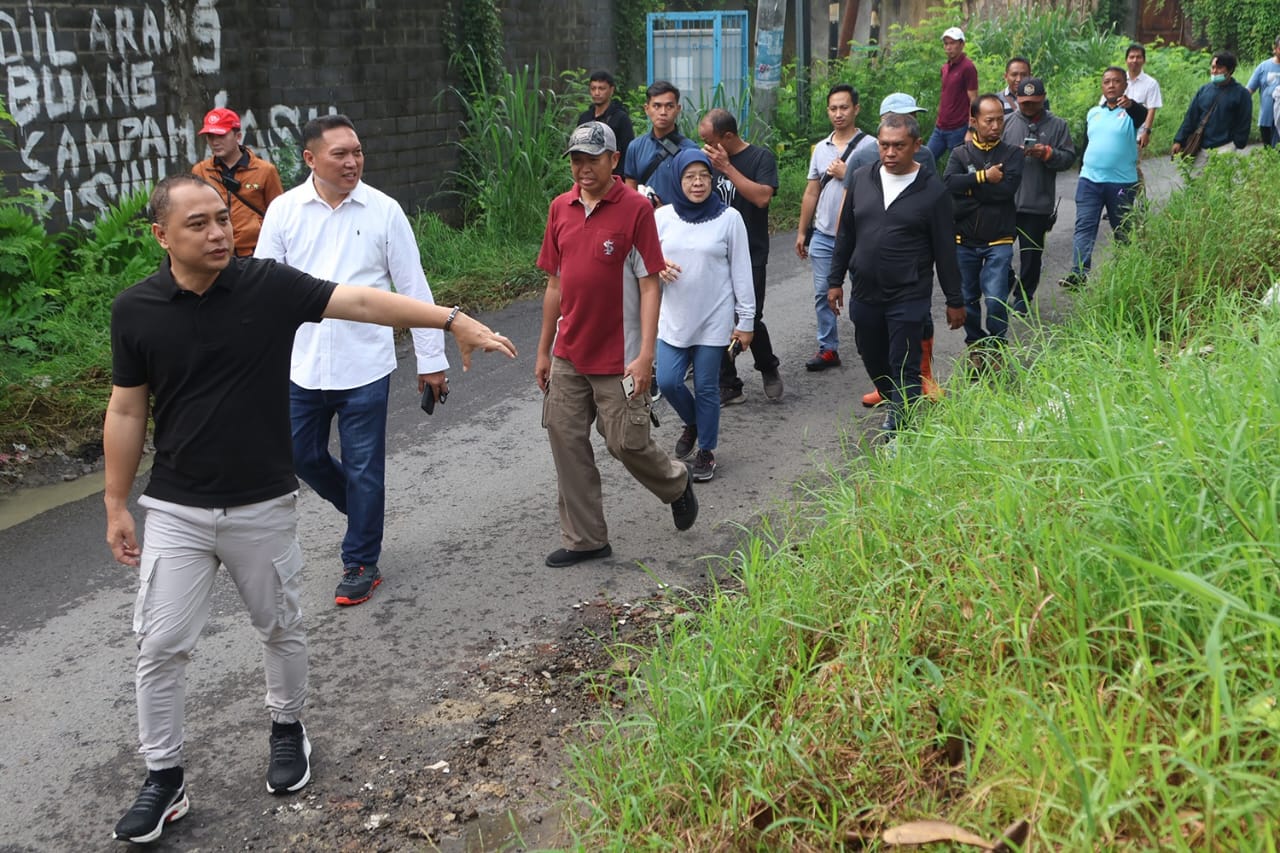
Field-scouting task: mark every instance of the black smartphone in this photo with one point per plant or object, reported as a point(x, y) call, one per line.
point(429, 398)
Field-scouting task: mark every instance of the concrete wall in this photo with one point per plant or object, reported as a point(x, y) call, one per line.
point(108, 97)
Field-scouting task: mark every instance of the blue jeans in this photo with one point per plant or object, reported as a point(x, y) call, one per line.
point(353, 485)
point(984, 279)
point(821, 247)
point(702, 407)
point(888, 337)
point(942, 141)
point(1091, 199)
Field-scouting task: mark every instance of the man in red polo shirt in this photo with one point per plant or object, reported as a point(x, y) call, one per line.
point(602, 258)
point(959, 90)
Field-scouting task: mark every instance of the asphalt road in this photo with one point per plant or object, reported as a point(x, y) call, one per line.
point(470, 516)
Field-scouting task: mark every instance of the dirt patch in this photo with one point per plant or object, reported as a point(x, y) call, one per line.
point(501, 786)
point(23, 468)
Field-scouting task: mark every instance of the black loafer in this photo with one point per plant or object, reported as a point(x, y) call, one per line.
point(562, 557)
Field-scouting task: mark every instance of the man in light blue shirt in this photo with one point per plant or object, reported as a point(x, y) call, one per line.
point(1266, 79)
point(1108, 170)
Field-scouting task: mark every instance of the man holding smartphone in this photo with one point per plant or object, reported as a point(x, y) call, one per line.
point(1047, 150)
point(595, 354)
point(336, 226)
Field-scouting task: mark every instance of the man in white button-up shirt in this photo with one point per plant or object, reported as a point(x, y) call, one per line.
point(336, 227)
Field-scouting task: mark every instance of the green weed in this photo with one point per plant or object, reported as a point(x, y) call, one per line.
point(1056, 601)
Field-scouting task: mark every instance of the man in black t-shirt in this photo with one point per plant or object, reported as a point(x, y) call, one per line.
point(608, 109)
point(746, 178)
point(209, 338)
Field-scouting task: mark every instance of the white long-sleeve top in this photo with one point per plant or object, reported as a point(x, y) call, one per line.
point(365, 240)
point(714, 282)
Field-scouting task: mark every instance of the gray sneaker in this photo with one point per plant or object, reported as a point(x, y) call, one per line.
point(704, 466)
point(684, 444)
point(772, 384)
point(732, 397)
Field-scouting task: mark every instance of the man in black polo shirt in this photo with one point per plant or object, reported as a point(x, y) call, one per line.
point(610, 110)
point(209, 337)
point(746, 178)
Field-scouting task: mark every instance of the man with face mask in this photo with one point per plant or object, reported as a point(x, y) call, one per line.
point(1222, 109)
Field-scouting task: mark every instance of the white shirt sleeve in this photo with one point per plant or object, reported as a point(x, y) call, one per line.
point(404, 262)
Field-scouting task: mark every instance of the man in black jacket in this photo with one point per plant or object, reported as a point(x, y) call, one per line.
point(1222, 107)
point(983, 176)
point(608, 109)
point(895, 229)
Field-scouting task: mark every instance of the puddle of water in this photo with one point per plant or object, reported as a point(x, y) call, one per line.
point(507, 832)
point(26, 504)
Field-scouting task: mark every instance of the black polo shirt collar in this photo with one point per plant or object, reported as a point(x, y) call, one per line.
point(168, 285)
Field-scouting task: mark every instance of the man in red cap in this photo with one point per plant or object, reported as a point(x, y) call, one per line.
point(248, 182)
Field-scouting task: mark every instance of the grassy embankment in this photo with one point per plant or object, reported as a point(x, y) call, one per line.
point(1057, 601)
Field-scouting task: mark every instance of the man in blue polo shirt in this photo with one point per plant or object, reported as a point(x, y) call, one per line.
point(1108, 170)
point(649, 159)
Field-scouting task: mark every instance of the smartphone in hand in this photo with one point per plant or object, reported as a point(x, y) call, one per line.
point(429, 398)
point(629, 386)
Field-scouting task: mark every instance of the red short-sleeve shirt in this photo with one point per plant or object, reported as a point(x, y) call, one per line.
point(590, 253)
point(959, 78)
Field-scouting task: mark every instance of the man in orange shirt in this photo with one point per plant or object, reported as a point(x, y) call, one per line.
point(244, 179)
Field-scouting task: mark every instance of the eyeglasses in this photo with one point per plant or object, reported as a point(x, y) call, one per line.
point(695, 178)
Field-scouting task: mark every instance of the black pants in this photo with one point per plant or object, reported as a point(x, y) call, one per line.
point(1032, 228)
point(888, 336)
point(761, 346)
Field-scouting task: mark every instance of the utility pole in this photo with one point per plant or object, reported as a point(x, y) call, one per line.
point(771, 23)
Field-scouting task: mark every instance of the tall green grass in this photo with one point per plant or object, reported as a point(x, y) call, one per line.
point(1058, 600)
point(511, 149)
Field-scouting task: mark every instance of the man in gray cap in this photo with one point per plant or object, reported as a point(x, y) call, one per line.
point(595, 354)
point(1046, 144)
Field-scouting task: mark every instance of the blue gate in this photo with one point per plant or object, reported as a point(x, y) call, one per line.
point(705, 54)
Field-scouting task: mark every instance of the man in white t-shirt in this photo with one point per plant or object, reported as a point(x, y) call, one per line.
point(1143, 88)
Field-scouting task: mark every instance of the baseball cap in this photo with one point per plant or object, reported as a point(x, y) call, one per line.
point(954, 33)
point(900, 102)
point(220, 122)
point(1031, 87)
point(594, 137)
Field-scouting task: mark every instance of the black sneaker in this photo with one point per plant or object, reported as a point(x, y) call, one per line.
point(772, 384)
point(684, 444)
point(157, 804)
point(1074, 281)
point(358, 583)
point(825, 358)
point(704, 466)
point(684, 509)
point(290, 767)
point(563, 557)
point(732, 397)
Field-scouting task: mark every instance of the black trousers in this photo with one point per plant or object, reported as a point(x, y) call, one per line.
point(1032, 228)
point(761, 346)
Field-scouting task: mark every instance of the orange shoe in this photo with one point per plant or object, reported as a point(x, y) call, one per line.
point(872, 399)
point(928, 387)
